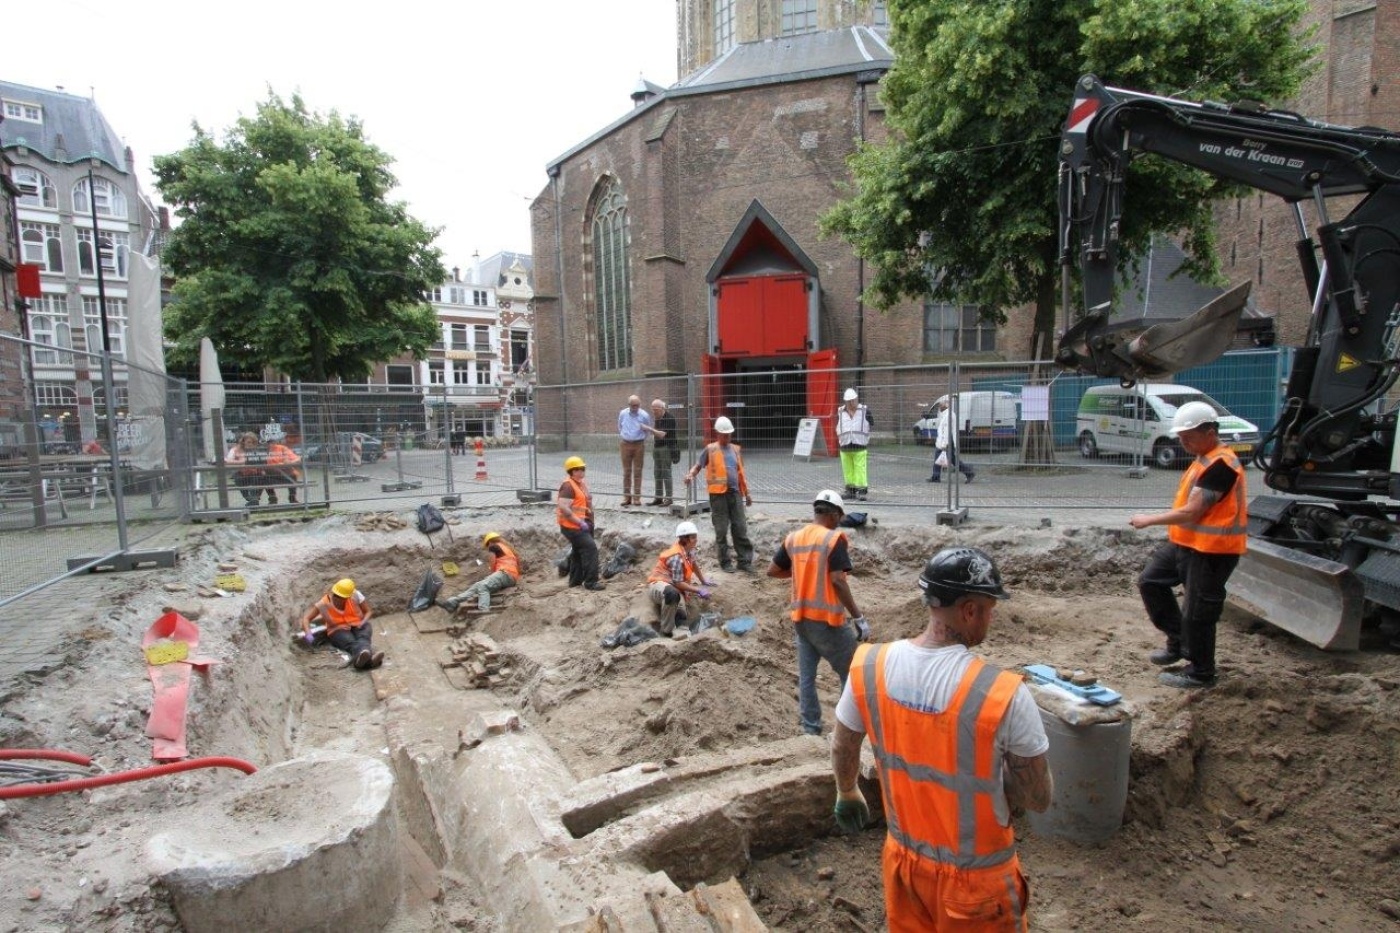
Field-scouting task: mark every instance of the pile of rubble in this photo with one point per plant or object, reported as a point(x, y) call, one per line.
point(475, 660)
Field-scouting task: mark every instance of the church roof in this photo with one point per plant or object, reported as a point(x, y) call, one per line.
point(807, 57)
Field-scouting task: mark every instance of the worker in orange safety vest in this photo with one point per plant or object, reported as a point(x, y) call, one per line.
point(345, 613)
point(505, 573)
point(959, 744)
point(723, 463)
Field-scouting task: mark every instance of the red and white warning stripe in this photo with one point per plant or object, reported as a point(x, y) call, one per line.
point(1081, 114)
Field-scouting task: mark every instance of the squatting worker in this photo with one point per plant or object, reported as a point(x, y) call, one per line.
point(818, 558)
point(574, 511)
point(723, 463)
point(666, 452)
point(959, 744)
point(853, 424)
point(345, 613)
point(677, 578)
point(505, 573)
point(1206, 532)
point(633, 427)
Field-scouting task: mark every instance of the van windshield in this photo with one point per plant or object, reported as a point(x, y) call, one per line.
point(1176, 400)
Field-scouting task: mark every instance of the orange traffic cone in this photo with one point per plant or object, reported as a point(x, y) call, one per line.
point(480, 459)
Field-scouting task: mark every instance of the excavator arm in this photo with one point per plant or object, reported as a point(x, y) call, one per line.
point(1309, 561)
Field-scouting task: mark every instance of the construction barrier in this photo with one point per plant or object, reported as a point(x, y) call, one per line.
point(480, 459)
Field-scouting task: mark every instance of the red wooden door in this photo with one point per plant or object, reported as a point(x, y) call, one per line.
point(712, 395)
point(821, 394)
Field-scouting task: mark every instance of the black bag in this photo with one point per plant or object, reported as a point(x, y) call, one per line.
point(426, 594)
point(675, 455)
point(621, 560)
point(855, 520)
point(430, 519)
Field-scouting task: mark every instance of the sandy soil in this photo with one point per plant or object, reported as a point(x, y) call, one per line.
point(1269, 802)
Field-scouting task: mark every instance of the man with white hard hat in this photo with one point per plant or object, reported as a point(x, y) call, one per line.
point(1207, 527)
point(853, 424)
point(676, 577)
point(817, 559)
point(723, 463)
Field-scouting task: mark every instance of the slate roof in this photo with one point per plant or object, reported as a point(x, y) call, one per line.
point(494, 268)
point(807, 57)
point(71, 123)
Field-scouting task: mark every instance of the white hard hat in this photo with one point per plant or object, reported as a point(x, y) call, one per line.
point(723, 425)
point(830, 497)
point(1193, 415)
point(686, 528)
point(851, 395)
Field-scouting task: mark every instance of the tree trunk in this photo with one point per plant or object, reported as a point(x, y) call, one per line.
point(1038, 439)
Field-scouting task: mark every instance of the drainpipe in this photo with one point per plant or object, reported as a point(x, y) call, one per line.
point(554, 171)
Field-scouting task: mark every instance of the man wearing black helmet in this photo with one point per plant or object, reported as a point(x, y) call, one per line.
point(959, 744)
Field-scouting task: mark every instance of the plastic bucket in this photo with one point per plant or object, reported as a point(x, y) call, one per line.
point(1089, 765)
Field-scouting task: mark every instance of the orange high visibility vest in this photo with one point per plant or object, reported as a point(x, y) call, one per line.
point(717, 474)
point(814, 598)
point(661, 573)
point(507, 561)
point(938, 771)
point(580, 506)
point(337, 619)
point(1225, 526)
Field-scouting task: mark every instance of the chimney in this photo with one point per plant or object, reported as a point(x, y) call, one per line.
point(163, 217)
point(456, 273)
point(641, 93)
point(476, 267)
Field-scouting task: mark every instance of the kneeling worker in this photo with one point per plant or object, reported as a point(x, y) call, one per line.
point(505, 573)
point(345, 613)
point(677, 576)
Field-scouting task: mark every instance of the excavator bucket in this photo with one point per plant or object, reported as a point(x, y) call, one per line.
point(1131, 352)
point(1319, 600)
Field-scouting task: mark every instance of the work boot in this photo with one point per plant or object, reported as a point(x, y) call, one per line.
point(935, 479)
point(654, 502)
point(727, 566)
point(1164, 656)
point(861, 493)
point(595, 586)
point(1186, 678)
point(271, 497)
point(292, 496)
point(362, 660)
point(376, 659)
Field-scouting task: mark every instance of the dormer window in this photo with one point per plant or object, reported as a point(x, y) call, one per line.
point(110, 200)
point(19, 110)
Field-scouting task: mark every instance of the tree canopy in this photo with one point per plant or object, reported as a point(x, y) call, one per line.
point(289, 254)
point(966, 184)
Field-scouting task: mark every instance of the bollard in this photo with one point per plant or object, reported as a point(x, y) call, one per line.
point(480, 459)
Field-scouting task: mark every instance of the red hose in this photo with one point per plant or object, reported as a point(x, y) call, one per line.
point(73, 758)
point(122, 777)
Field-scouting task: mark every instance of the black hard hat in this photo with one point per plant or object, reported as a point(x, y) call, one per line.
point(960, 571)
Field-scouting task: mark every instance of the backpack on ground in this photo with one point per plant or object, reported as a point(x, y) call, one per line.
point(430, 521)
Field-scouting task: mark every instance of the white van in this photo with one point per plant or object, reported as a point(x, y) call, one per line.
point(985, 419)
point(1114, 420)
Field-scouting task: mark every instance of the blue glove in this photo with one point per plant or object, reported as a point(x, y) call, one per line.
point(584, 526)
point(309, 638)
point(703, 593)
point(852, 814)
point(862, 628)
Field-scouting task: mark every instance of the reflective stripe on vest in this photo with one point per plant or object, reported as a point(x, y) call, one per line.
point(852, 428)
point(337, 619)
point(661, 573)
point(937, 767)
point(717, 474)
point(506, 561)
point(814, 598)
point(578, 506)
point(1224, 527)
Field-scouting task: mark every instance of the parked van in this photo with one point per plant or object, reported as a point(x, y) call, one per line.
point(985, 419)
point(1114, 420)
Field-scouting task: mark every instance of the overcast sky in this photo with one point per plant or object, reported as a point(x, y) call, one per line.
point(471, 100)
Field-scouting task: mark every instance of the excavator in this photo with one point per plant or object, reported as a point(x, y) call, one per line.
point(1323, 557)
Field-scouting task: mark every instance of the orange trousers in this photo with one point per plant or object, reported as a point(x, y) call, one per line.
point(922, 895)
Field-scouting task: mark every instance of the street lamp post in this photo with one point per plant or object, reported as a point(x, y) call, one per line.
point(107, 376)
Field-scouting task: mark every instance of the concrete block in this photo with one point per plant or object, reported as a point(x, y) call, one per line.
point(603, 798)
point(308, 844)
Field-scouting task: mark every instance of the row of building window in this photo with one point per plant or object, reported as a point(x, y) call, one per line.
point(49, 325)
point(456, 295)
point(64, 395)
point(37, 191)
point(42, 245)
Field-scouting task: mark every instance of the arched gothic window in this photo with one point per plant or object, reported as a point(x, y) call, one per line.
point(611, 288)
point(111, 201)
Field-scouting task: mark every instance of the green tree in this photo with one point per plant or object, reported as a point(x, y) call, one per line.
point(966, 184)
point(288, 253)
